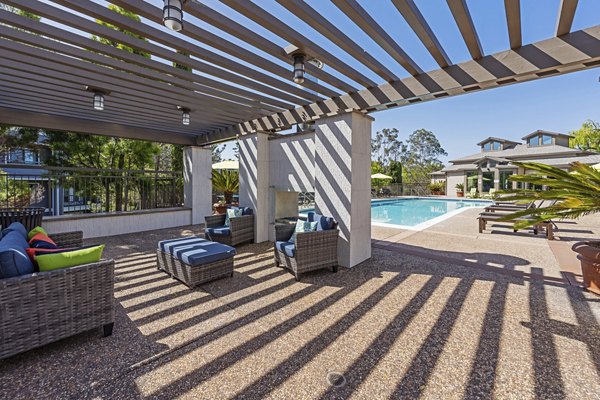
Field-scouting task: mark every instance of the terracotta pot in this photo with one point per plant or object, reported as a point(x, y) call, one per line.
point(435, 192)
point(460, 194)
point(589, 256)
point(220, 209)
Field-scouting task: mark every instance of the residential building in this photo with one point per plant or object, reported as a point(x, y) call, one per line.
point(494, 164)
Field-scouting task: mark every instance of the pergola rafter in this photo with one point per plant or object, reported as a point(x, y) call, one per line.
point(235, 87)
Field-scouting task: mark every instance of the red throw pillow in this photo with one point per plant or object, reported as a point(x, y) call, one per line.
point(41, 241)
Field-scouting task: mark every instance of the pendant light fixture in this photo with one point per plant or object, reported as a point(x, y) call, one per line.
point(173, 14)
point(185, 115)
point(299, 68)
point(98, 97)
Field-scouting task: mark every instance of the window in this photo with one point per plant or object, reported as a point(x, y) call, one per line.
point(546, 139)
point(533, 141)
point(487, 181)
point(491, 145)
point(487, 146)
point(505, 184)
point(496, 146)
point(471, 180)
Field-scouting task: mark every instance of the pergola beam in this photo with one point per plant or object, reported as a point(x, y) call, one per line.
point(566, 16)
point(574, 52)
point(150, 67)
point(272, 23)
point(513, 21)
point(419, 25)
point(92, 27)
point(463, 19)
point(321, 24)
point(154, 14)
point(226, 24)
point(17, 117)
point(363, 20)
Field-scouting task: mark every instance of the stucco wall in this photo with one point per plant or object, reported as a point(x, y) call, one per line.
point(452, 179)
point(292, 163)
point(99, 225)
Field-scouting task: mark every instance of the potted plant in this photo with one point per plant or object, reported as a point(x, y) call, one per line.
point(576, 194)
point(220, 207)
point(460, 187)
point(437, 188)
point(226, 181)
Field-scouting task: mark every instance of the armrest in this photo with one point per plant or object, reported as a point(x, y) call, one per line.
point(214, 220)
point(315, 241)
point(283, 232)
point(68, 239)
point(242, 222)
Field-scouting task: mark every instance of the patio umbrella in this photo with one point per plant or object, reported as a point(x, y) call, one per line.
point(380, 176)
point(227, 164)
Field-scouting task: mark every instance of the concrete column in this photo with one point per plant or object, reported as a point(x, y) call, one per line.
point(343, 181)
point(197, 178)
point(254, 181)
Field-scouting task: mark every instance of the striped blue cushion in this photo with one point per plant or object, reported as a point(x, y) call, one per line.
point(323, 223)
point(219, 230)
point(196, 251)
point(289, 248)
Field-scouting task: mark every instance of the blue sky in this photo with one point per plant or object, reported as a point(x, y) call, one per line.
point(558, 103)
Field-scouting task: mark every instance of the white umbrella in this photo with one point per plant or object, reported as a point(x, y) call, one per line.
point(380, 176)
point(227, 164)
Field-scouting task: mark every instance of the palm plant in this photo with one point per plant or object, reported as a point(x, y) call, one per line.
point(226, 181)
point(575, 194)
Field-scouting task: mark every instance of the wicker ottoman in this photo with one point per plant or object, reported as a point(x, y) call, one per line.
point(195, 260)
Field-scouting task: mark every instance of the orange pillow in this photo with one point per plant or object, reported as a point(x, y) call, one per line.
point(41, 241)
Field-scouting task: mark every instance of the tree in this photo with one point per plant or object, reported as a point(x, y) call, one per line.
point(22, 13)
point(116, 44)
point(587, 137)
point(573, 194)
point(217, 153)
point(421, 156)
point(12, 137)
point(226, 181)
point(386, 146)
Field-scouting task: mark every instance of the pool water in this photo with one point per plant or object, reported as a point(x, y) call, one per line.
point(416, 212)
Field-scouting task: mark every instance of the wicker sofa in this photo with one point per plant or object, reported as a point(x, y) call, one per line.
point(41, 308)
point(240, 229)
point(311, 250)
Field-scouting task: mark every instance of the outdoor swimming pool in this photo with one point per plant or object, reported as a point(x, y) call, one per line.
point(416, 212)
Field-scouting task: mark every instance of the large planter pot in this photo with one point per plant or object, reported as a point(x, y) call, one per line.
point(460, 194)
point(436, 192)
point(220, 209)
point(589, 256)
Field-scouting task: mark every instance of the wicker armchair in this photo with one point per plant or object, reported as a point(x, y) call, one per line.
point(241, 229)
point(41, 308)
point(313, 250)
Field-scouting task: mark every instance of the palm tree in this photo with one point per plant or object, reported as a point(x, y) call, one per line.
point(226, 181)
point(576, 193)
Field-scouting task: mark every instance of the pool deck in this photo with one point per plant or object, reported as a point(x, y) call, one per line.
point(445, 313)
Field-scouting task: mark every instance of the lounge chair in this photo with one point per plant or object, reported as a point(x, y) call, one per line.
point(309, 252)
point(486, 217)
point(506, 206)
point(472, 193)
point(239, 230)
point(489, 195)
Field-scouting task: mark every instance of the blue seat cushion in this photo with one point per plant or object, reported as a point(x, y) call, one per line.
point(196, 251)
point(14, 260)
point(323, 223)
point(17, 227)
point(219, 230)
point(289, 248)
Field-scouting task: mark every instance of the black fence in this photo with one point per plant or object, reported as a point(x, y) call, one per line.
point(86, 190)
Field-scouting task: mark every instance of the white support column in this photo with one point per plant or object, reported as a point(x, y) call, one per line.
point(254, 181)
point(197, 176)
point(343, 181)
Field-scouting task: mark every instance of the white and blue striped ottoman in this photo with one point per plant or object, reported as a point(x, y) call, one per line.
point(194, 260)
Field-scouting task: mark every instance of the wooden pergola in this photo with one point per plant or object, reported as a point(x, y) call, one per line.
point(234, 89)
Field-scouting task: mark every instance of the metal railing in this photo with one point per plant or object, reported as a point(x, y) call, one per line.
point(63, 190)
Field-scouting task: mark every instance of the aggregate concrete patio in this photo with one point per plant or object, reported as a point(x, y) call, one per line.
point(445, 313)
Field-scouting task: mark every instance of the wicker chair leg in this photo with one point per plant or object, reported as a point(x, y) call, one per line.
point(108, 328)
point(334, 269)
point(297, 276)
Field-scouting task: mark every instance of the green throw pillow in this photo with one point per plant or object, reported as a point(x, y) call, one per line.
point(232, 213)
point(303, 226)
point(52, 261)
point(35, 231)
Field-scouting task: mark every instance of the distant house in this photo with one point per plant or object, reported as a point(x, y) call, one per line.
point(491, 167)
